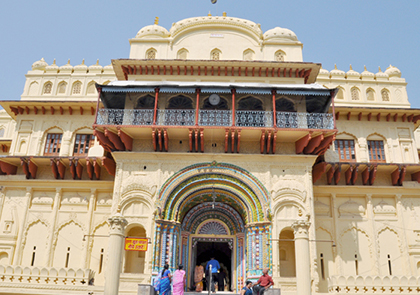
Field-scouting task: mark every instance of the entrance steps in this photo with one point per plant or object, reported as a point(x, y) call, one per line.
point(206, 292)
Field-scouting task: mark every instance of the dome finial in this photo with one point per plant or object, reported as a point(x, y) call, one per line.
point(351, 68)
point(97, 62)
point(335, 66)
point(224, 13)
point(54, 62)
point(68, 62)
point(209, 14)
point(156, 20)
point(365, 68)
point(380, 70)
point(83, 61)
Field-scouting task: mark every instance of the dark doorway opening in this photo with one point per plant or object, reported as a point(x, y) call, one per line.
point(219, 251)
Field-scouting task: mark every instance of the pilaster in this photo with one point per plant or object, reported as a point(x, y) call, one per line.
point(86, 257)
point(303, 262)
point(115, 253)
point(408, 269)
point(56, 207)
point(17, 258)
point(372, 232)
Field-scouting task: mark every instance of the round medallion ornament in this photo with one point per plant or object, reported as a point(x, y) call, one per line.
point(214, 99)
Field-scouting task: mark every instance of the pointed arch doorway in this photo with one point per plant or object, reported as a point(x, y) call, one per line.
point(207, 203)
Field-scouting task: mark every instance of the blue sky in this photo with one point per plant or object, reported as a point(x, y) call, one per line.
point(370, 32)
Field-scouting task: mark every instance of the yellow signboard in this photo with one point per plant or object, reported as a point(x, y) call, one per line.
point(136, 244)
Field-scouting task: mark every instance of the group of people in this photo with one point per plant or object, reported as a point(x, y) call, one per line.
point(163, 282)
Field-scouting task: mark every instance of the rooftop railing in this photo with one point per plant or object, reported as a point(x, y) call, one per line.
point(217, 118)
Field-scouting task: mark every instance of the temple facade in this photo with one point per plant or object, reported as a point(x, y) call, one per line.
point(213, 139)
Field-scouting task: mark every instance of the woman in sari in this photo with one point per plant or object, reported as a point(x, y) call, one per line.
point(165, 281)
point(179, 281)
point(198, 278)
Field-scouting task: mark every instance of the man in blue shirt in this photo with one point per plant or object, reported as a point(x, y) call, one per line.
point(215, 266)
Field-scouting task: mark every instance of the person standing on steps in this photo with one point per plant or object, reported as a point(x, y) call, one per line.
point(215, 266)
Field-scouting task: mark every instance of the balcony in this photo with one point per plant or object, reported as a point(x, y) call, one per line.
point(215, 118)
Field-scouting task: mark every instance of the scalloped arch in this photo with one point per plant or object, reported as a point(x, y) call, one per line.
point(359, 230)
point(225, 178)
point(346, 133)
point(376, 134)
point(383, 229)
point(33, 222)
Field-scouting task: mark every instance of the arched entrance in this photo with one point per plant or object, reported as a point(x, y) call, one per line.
point(216, 206)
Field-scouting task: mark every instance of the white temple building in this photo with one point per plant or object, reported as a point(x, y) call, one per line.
point(213, 138)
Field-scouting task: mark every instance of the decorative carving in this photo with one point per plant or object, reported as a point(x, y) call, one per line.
point(351, 209)
point(213, 228)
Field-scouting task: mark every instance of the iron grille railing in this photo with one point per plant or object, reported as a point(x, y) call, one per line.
point(176, 117)
point(304, 120)
point(254, 119)
point(215, 118)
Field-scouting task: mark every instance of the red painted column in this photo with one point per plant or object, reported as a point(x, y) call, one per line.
point(233, 106)
point(156, 103)
point(274, 108)
point(197, 106)
point(333, 108)
point(97, 104)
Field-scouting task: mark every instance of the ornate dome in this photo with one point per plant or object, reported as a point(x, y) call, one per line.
point(324, 73)
point(337, 73)
point(152, 31)
point(381, 75)
point(39, 65)
point(81, 68)
point(366, 75)
point(223, 21)
point(96, 68)
point(352, 74)
point(109, 69)
point(52, 68)
point(280, 34)
point(393, 72)
point(67, 67)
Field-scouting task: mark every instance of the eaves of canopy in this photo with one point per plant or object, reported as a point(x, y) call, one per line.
point(140, 69)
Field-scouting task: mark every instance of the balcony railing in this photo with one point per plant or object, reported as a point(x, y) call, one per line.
point(221, 118)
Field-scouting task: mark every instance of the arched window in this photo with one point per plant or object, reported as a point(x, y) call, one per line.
point(180, 102)
point(376, 150)
point(279, 55)
point(249, 54)
point(182, 53)
point(250, 104)
point(53, 144)
point(145, 102)
point(370, 94)
point(385, 95)
point(47, 88)
point(151, 53)
point(355, 95)
point(91, 89)
point(82, 144)
point(216, 54)
point(77, 88)
point(285, 105)
point(287, 253)
point(33, 88)
point(62, 88)
point(135, 260)
point(340, 94)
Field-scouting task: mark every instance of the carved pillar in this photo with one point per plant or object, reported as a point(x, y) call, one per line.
point(52, 234)
point(86, 257)
point(115, 253)
point(259, 255)
point(372, 232)
point(303, 262)
point(240, 263)
point(17, 258)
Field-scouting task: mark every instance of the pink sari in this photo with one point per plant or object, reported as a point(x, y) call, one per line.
point(178, 282)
